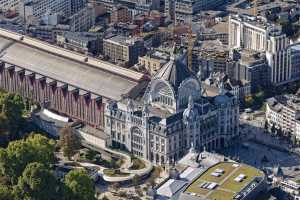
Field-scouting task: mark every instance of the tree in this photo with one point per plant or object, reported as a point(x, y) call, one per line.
point(19, 153)
point(266, 125)
point(36, 183)
point(12, 106)
point(43, 148)
point(4, 130)
point(69, 142)
point(294, 140)
point(79, 186)
point(136, 179)
point(5, 193)
point(279, 132)
point(273, 129)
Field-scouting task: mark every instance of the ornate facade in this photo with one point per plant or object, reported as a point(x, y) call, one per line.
point(171, 116)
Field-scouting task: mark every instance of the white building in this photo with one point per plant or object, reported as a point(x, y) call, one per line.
point(82, 20)
point(253, 33)
point(172, 115)
point(185, 9)
point(248, 32)
point(291, 187)
point(39, 8)
point(283, 112)
point(9, 5)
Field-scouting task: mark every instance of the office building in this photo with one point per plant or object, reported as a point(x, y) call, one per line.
point(185, 9)
point(123, 50)
point(152, 62)
point(283, 113)
point(252, 33)
point(83, 42)
point(252, 67)
point(120, 14)
point(83, 20)
point(39, 8)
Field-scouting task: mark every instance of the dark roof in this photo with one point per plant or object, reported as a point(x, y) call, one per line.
point(175, 71)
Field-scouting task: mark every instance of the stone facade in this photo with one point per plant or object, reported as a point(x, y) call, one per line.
point(171, 116)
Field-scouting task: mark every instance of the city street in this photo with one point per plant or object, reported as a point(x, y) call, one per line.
point(255, 144)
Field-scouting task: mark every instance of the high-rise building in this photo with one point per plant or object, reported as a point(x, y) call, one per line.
point(248, 32)
point(252, 33)
point(277, 57)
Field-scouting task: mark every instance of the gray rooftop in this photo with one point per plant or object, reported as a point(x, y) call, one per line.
point(175, 71)
point(95, 79)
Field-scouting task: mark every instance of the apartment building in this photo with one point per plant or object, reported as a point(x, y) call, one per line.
point(39, 8)
point(123, 50)
point(82, 20)
point(185, 9)
point(120, 14)
point(283, 112)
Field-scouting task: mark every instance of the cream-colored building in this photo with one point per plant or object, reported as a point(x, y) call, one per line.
point(123, 50)
point(283, 112)
point(153, 62)
point(247, 32)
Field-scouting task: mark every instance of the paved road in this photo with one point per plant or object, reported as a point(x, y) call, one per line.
point(251, 152)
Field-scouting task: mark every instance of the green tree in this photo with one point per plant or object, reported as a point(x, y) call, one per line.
point(4, 130)
point(273, 129)
point(266, 125)
point(294, 140)
point(135, 180)
point(19, 153)
point(43, 148)
point(69, 142)
point(12, 106)
point(36, 183)
point(5, 193)
point(79, 186)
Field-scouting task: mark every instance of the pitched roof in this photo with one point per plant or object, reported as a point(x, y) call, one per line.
point(174, 71)
point(169, 188)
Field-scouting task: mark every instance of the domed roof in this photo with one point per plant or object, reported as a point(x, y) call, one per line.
point(174, 71)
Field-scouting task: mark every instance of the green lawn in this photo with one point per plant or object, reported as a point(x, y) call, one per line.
point(221, 195)
point(227, 167)
point(137, 164)
point(227, 190)
point(231, 184)
point(194, 188)
point(114, 173)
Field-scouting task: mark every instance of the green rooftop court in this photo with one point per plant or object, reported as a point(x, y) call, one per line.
point(228, 179)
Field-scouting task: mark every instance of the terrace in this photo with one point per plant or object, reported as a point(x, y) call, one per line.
point(230, 178)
